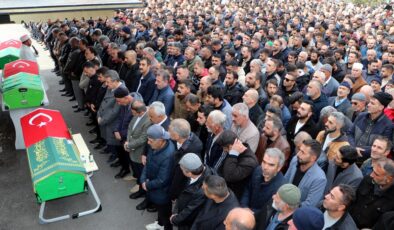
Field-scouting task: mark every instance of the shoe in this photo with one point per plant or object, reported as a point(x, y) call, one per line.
point(72, 99)
point(61, 82)
point(86, 114)
point(122, 174)
point(138, 194)
point(69, 95)
point(66, 94)
point(100, 146)
point(117, 164)
point(94, 141)
point(134, 189)
point(74, 106)
point(90, 123)
point(154, 226)
point(143, 205)
point(94, 130)
point(78, 110)
point(55, 70)
point(111, 158)
point(151, 208)
point(62, 90)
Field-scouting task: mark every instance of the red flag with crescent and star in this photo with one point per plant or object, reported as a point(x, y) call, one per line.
point(43, 123)
point(12, 43)
point(18, 66)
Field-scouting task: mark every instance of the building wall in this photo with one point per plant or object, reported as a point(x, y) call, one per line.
point(36, 17)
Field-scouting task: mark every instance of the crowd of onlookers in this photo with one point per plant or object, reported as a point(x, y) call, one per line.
point(240, 114)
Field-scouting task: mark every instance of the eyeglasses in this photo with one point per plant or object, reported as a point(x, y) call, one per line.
point(287, 79)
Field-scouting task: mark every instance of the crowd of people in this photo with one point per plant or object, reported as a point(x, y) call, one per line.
point(240, 114)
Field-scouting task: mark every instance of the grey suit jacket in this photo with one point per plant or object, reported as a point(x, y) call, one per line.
point(311, 185)
point(351, 176)
point(137, 137)
point(108, 112)
point(331, 87)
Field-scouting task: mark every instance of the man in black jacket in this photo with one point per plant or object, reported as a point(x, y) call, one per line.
point(336, 203)
point(233, 91)
point(191, 196)
point(375, 195)
point(69, 65)
point(237, 162)
point(220, 202)
point(186, 142)
point(302, 122)
point(129, 72)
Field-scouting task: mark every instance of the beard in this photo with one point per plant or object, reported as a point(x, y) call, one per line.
point(330, 130)
point(250, 85)
point(181, 97)
point(314, 61)
point(276, 207)
point(302, 162)
point(301, 116)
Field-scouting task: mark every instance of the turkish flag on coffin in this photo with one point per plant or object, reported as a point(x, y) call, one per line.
point(11, 43)
point(43, 123)
point(18, 66)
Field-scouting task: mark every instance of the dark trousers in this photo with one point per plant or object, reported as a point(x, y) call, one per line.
point(112, 149)
point(67, 84)
point(137, 170)
point(124, 158)
point(163, 215)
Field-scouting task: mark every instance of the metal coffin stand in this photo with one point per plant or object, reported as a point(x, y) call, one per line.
point(90, 167)
point(43, 220)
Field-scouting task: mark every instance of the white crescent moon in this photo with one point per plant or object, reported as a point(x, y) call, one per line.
point(20, 62)
point(37, 115)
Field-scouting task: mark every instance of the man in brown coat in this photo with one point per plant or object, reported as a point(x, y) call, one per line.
point(272, 138)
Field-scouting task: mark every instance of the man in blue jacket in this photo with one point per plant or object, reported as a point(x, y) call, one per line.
point(163, 92)
point(157, 173)
point(306, 174)
point(146, 82)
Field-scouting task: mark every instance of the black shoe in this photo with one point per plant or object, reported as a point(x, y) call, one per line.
point(117, 164)
point(66, 94)
point(86, 114)
point(72, 99)
point(94, 130)
point(62, 90)
point(61, 82)
point(78, 110)
point(55, 70)
point(122, 174)
point(138, 194)
point(91, 123)
point(69, 95)
point(142, 206)
point(74, 106)
point(112, 158)
point(151, 208)
point(100, 146)
point(94, 141)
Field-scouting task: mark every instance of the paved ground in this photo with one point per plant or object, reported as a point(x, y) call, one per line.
point(18, 206)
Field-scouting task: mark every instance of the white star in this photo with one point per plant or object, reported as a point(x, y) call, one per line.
point(41, 124)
